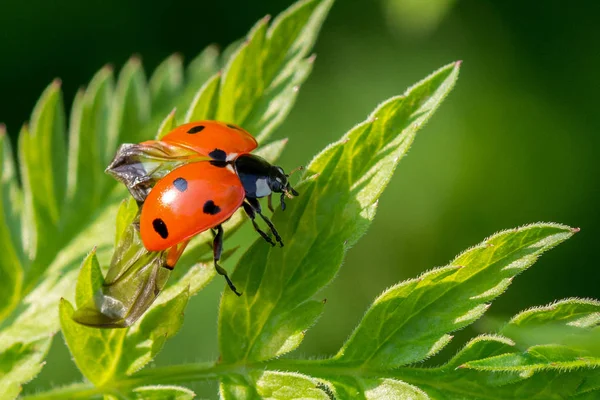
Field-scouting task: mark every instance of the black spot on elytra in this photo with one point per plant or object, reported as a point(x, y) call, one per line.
point(196, 129)
point(234, 127)
point(160, 227)
point(180, 184)
point(211, 208)
point(218, 154)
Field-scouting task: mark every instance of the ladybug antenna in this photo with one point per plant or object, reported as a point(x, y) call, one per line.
point(298, 168)
point(290, 191)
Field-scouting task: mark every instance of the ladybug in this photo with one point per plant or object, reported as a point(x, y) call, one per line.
point(217, 175)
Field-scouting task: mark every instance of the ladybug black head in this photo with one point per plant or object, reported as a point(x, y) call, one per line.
point(278, 182)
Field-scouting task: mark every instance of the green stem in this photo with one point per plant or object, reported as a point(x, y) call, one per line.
point(180, 374)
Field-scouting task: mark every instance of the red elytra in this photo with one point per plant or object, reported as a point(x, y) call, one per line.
point(189, 200)
point(208, 137)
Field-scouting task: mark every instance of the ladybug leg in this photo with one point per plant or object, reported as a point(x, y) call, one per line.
point(250, 211)
point(174, 253)
point(256, 206)
point(210, 245)
point(217, 250)
point(270, 203)
point(282, 201)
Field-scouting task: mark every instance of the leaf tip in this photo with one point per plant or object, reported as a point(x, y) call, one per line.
point(575, 230)
point(135, 60)
point(311, 59)
point(2, 129)
point(56, 83)
point(266, 19)
point(177, 57)
point(458, 63)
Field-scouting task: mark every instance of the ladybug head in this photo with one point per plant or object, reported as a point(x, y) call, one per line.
point(279, 183)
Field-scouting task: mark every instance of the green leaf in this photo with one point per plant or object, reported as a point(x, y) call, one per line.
point(146, 339)
point(131, 108)
point(292, 36)
point(162, 320)
point(537, 358)
point(166, 83)
point(274, 386)
point(11, 250)
point(260, 82)
point(166, 125)
point(96, 351)
point(125, 216)
point(205, 102)
point(161, 392)
point(90, 279)
point(286, 66)
point(392, 332)
point(571, 322)
point(561, 336)
point(483, 366)
point(87, 135)
point(105, 354)
point(43, 171)
point(19, 364)
point(335, 209)
point(235, 100)
point(203, 66)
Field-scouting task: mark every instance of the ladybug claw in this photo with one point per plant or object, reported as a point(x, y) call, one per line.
point(221, 271)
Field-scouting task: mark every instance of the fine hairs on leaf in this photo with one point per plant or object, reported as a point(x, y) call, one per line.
point(55, 250)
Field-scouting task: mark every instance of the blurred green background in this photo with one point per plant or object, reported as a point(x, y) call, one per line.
point(514, 143)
